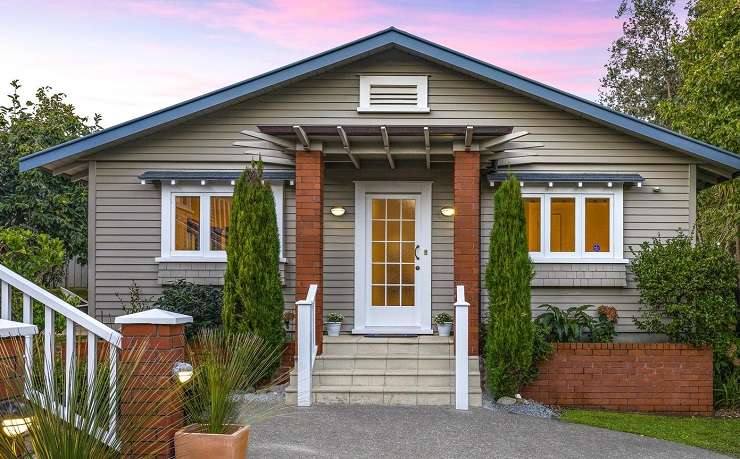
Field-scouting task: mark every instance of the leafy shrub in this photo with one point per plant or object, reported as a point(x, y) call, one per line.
point(727, 392)
point(203, 302)
point(334, 317)
point(576, 325)
point(564, 326)
point(508, 352)
point(35, 256)
point(603, 327)
point(253, 294)
point(443, 318)
point(688, 294)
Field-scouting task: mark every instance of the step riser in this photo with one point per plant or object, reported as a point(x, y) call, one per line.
point(382, 349)
point(387, 380)
point(395, 362)
point(370, 398)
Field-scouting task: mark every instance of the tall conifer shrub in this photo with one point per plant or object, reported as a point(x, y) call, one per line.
point(253, 297)
point(508, 350)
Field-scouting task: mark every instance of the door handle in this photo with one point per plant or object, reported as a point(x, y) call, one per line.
point(416, 251)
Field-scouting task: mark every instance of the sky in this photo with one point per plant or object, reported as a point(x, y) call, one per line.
point(126, 58)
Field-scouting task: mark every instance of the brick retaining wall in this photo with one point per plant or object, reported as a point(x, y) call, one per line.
point(654, 377)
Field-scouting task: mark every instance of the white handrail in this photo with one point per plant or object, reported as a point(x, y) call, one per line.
point(59, 306)
point(307, 347)
point(73, 317)
point(461, 349)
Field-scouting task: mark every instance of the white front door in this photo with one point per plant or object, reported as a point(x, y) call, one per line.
point(393, 280)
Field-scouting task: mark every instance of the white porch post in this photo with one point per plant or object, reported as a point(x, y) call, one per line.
point(461, 350)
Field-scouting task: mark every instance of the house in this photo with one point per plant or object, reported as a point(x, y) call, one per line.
point(383, 155)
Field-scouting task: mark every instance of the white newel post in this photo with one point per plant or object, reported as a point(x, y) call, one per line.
point(461, 350)
point(306, 345)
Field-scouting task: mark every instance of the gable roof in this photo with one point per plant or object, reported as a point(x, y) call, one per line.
point(376, 42)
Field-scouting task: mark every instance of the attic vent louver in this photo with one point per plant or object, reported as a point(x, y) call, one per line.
point(393, 94)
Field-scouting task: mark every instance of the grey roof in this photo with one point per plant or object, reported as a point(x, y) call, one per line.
point(572, 178)
point(385, 39)
point(212, 175)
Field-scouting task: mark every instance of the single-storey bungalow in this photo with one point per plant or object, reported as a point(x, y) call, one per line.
point(383, 155)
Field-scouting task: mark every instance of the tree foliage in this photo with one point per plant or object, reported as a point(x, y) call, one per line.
point(253, 297)
point(641, 71)
point(707, 104)
point(35, 199)
point(35, 256)
point(509, 344)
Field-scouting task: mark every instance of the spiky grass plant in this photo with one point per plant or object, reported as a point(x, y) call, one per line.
point(79, 425)
point(225, 363)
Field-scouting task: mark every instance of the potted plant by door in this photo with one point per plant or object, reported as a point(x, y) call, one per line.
point(444, 323)
point(334, 323)
point(223, 363)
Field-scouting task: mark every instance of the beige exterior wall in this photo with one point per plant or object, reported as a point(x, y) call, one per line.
point(126, 218)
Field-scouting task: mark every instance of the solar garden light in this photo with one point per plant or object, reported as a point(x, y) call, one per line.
point(14, 423)
point(182, 371)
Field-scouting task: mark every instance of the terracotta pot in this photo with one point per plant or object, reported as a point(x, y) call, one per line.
point(193, 444)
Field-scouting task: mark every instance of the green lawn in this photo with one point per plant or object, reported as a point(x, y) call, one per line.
point(721, 435)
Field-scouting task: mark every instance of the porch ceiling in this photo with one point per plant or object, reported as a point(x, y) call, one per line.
point(350, 143)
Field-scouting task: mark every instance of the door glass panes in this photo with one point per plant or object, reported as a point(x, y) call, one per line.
point(393, 259)
point(597, 225)
point(563, 225)
point(187, 223)
point(220, 216)
point(532, 220)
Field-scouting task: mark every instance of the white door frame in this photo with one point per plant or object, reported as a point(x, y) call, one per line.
point(423, 288)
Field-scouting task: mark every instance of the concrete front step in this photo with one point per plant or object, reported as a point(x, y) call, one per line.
point(424, 378)
point(366, 346)
point(384, 395)
point(389, 362)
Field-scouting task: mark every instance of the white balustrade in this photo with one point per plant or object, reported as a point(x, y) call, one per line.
point(53, 305)
point(461, 349)
point(307, 347)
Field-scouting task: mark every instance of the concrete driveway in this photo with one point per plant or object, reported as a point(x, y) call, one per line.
point(435, 432)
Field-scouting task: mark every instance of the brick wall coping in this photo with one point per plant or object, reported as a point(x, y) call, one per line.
point(9, 328)
point(155, 317)
point(648, 346)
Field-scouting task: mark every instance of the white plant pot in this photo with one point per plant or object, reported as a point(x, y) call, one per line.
point(444, 329)
point(332, 328)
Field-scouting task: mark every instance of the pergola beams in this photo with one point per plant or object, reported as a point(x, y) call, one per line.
point(427, 147)
point(387, 146)
point(345, 144)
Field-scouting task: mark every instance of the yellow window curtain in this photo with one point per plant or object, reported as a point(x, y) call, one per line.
point(597, 225)
point(187, 223)
point(563, 225)
point(220, 216)
point(532, 220)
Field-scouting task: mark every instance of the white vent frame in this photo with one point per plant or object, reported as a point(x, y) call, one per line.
point(420, 82)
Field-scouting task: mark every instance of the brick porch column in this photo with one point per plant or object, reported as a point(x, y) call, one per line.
point(12, 349)
point(467, 237)
point(309, 233)
point(159, 338)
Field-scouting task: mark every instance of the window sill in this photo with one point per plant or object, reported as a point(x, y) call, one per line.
point(614, 261)
point(185, 259)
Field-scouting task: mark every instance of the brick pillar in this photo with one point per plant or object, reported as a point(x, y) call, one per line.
point(467, 237)
point(11, 367)
point(158, 339)
point(309, 199)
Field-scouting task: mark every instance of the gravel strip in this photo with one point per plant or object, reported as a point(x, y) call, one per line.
point(531, 408)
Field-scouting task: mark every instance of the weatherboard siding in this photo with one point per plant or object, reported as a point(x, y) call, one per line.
point(127, 214)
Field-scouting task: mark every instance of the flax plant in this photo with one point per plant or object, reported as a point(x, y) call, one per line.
point(72, 417)
point(225, 364)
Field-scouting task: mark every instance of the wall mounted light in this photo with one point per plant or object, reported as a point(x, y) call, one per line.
point(447, 211)
point(338, 211)
point(183, 371)
point(656, 189)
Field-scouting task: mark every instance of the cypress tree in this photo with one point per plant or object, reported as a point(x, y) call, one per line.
point(253, 296)
point(508, 350)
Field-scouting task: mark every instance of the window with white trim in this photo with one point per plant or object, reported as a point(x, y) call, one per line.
point(195, 221)
point(393, 93)
point(574, 224)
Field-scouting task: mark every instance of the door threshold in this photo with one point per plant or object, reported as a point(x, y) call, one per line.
point(392, 331)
